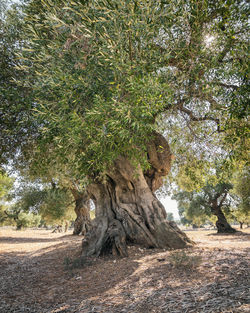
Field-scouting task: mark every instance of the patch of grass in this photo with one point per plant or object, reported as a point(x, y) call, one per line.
point(180, 259)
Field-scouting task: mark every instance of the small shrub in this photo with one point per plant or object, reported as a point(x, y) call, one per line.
point(180, 259)
point(27, 220)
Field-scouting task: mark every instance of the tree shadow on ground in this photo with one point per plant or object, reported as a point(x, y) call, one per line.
point(37, 281)
point(162, 288)
point(237, 236)
point(15, 240)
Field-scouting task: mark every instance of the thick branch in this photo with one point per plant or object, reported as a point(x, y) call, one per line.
point(196, 118)
point(159, 157)
point(229, 86)
point(222, 200)
point(224, 52)
point(14, 216)
point(200, 118)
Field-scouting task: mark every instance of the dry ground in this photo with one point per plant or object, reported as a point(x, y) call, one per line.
point(33, 277)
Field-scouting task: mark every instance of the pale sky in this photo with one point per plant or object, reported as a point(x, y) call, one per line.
point(170, 206)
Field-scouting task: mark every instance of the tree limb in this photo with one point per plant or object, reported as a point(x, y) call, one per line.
point(223, 199)
point(224, 52)
point(229, 86)
point(196, 118)
point(199, 118)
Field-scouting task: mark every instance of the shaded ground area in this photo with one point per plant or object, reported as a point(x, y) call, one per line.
point(33, 277)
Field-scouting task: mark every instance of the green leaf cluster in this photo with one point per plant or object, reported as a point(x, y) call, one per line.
point(97, 78)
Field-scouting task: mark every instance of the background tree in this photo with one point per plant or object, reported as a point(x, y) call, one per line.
point(59, 176)
point(33, 203)
point(195, 216)
point(241, 195)
point(17, 211)
point(6, 184)
point(183, 218)
point(20, 218)
point(57, 207)
point(241, 216)
point(206, 201)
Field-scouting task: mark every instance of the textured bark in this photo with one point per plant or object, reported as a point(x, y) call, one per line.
point(82, 223)
point(160, 158)
point(127, 211)
point(222, 224)
point(216, 208)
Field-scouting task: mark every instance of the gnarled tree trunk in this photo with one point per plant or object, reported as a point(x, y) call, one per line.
point(222, 224)
point(127, 211)
point(82, 223)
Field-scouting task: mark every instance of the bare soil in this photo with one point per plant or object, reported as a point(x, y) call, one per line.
point(34, 276)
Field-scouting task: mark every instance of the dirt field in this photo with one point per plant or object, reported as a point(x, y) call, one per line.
point(34, 276)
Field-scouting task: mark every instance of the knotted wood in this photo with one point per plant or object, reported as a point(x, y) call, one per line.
point(127, 210)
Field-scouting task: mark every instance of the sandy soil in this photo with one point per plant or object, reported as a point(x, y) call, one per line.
point(35, 277)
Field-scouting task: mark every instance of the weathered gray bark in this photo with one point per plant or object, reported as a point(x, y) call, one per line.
point(127, 211)
point(82, 223)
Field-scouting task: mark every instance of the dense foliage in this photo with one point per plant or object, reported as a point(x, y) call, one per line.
point(17, 125)
point(241, 196)
point(106, 74)
point(28, 204)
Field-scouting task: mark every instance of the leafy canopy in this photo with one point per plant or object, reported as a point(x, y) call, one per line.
point(105, 74)
point(17, 125)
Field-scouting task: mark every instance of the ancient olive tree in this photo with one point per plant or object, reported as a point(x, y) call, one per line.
point(105, 74)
